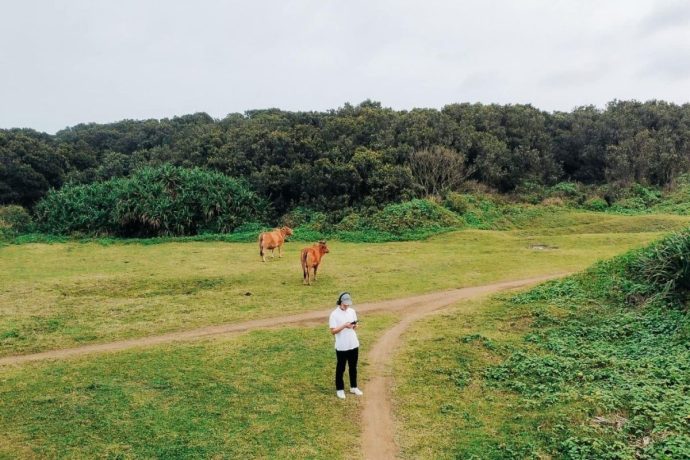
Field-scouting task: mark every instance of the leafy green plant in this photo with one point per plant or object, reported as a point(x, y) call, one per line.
point(457, 202)
point(80, 209)
point(596, 204)
point(164, 201)
point(664, 267)
point(565, 189)
point(14, 220)
point(413, 215)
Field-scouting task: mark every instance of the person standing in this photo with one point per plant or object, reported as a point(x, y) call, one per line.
point(343, 324)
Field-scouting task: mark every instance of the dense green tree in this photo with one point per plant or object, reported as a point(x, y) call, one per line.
point(30, 164)
point(360, 155)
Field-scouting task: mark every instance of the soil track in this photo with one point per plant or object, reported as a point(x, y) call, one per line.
point(378, 434)
point(378, 430)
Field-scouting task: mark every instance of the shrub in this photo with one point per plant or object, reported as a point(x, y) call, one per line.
point(553, 201)
point(649, 195)
point(163, 201)
point(14, 220)
point(177, 201)
point(596, 204)
point(664, 267)
point(307, 219)
point(413, 215)
point(353, 222)
point(85, 209)
point(531, 192)
point(629, 204)
point(457, 202)
point(565, 190)
point(297, 217)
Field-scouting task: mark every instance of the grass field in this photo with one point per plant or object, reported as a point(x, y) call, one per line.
point(575, 369)
point(62, 295)
point(444, 408)
point(265, 393)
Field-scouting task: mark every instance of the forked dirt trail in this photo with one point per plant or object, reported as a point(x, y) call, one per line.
point(378, 428)
point(419, 303)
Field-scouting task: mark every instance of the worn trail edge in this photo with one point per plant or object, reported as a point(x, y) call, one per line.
point(378, 427)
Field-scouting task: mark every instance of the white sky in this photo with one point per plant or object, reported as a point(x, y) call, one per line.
point(68, 62)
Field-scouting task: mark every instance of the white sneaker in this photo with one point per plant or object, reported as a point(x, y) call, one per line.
point(356, 391)
point(340, 394)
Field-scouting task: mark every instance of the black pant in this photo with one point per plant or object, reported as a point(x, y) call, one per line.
point(349, 356)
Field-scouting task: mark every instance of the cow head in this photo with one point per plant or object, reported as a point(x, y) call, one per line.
point(286, 231)
point(323, 248)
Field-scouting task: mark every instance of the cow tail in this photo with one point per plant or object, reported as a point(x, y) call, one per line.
point(261, 245)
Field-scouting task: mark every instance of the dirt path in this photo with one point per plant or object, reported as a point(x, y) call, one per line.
point(378, 440)
point(378, 431)
point(415, 304)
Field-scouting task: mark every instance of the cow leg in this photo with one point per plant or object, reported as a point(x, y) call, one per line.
point(316, 267)
point(280, 252)
point(273, 256)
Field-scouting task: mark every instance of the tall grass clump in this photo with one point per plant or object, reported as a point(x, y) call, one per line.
point(663, 268)
point(163, 201)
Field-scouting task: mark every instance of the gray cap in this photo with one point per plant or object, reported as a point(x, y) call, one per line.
point(345, 299)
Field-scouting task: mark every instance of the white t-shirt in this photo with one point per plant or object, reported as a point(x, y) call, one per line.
point(347, 338)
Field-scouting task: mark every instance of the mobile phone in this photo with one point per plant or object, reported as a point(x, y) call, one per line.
point(353, 322)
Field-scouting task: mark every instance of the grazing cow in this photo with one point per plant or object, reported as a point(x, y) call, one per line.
point(272, 240)
point(311, 258)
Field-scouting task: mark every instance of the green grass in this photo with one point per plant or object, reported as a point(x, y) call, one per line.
point(268, 394)
point(263, 394)
point(62, 295)
point(594, 366)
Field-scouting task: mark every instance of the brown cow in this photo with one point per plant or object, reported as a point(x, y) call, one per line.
point(311, 258)
point(272, 240)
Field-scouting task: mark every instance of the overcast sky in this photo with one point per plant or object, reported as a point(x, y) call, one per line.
point(69, 62)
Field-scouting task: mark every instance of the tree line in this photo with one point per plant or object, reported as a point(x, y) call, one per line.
point(364, 155)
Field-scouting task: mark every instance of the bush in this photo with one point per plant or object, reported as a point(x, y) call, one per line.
point(176, 201)
point(553, 201)
point(14, 220)
point(84, 209)
point(307, 219)
point(531, 192)
point(163, 201)
point(457, 202)
point(297, 217)
point(596, 204)
point(353, 222)
point(413, 215)
point(663, 268)
point(649, 196)
point(565, 190)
